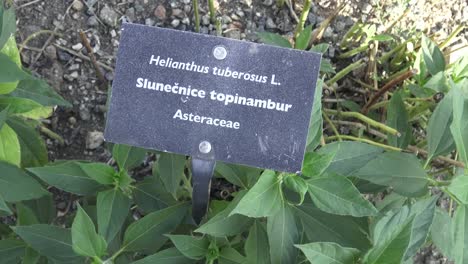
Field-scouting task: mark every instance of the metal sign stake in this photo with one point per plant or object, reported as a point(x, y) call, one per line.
point(202, 171)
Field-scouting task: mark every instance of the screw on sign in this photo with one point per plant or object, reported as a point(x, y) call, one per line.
point(212, 98)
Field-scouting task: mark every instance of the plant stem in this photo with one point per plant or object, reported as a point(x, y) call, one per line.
point(365, 141)
point(34, 35)
point(197, 15)
point(51, 134)
point(353, 52)
point(386, 88)
point(303, 18)
point(451, 36)
point(333, 127)
point(364, 119)
point(358, 64)
point(212, 11)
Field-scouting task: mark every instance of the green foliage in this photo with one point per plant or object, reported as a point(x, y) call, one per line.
point(86, 242)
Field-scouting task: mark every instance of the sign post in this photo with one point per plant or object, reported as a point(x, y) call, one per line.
point(213, 99)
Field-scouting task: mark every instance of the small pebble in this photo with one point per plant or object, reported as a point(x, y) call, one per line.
point(72, 120)
point(92, 21)
point(77, 46)
point(77, 5)
point(175, 23)
point(160, 12)
point(51, 52)
point(94, 139)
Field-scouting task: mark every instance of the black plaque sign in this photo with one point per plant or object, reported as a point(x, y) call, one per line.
point(251, 102)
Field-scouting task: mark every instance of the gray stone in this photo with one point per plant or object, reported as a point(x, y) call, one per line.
point(51, 52)
point(178, 13)
point(130, 14)
point(186, 21)
point(109, 16)
point(94, 139)
point(92, 21)
point(268, 2)
point(175, 23)
point(77, 46)
point(85, 115)
point(205, 20)
point(270, 23)
point(234, 34)
point(160, 12)
point(72, 120)
point(77, 5)
point(149, 22)
point(328, 32)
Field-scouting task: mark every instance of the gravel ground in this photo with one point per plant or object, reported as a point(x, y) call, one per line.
point(60, 57)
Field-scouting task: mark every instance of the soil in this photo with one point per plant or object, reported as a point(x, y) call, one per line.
point(57, 54)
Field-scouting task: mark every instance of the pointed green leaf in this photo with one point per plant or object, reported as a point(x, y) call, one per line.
point(148, 232)
point(170, 169)
point(25, 216)
point(264, 199)
point(433, 57)
point(69, 177)
point(346, 231)
point(296, 184)
point(167, 256)
point(150, 195)
point(39, 91)
point(320, 48)
point(274, 39)
point(11, 250)
point(100, 172)
point(7, 24)
point(256, 246)
point(460, 235)
point(392, 248)
point(315, 164)
point(18, 105)
point(402, 171)
point(16, 185)
point(50, 241)
point(459, 125)
point(191, 247)
point(233, 173)
point(10, 50)
point(229, 255)
point(10, 72)
point(337, 195)
point(10, 149)
point(441, 232)
point(316, 119)
point(282, 235)
point(4, 208)
point(128, 157)
point(43, 208)
point(303, 39)
point(397, 118)
point(223, 224)
point(329, 253)
point(439, 139)
point(31, 256)
point(112, 210)
point(86, 241)
point(459, 188)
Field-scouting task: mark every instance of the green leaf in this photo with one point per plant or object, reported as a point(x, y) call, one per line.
point(460, 234)
point(401, 171)
point(43, 208)
point(18, 105)
point(320, 48)
point(39, 91)
point(303, 39)
point(50, 241)
point(229, 255)
point(382, 38)
point(459, 188)
point(337, 195)
point(350, 156)
point(329, 253)
point(223, 224)
point(11, 250)
point(315, 164)
point(264, 199)
point(167, 256)
point(170, 168)
point(433, 57)
point(112, 210)
point(459, 125)
point(316, 119)
point(3, 116)
point(297, 184)
point(10, 72)
point(16, 185)
point(31, 256)
point(323, 227)
point(69, 177)
point(439, 139)
point(256, 246)
point(128, 157)
point(25, 216)
point(10, 149)
point(148, 232)
point(86, 241)
point(441, 232)
point(100, 172)
point(4, 208)
point(282, 235)
point(150, 195)
point(235, 174)
point(33, 149)
point(391, 249)
point(7, 24)
point(12, 59)
point(189, 246)
point(438, 83)
point(397, 118)
point(273, 39)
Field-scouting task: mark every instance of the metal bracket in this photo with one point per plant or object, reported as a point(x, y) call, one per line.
point(202, 171)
